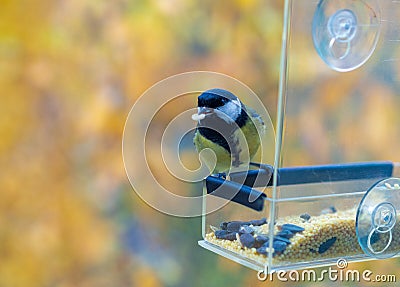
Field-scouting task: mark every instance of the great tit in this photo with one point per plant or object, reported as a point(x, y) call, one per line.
point(227, 127)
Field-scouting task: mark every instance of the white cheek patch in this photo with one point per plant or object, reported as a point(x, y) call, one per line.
point(238, 103)
point(232, 109)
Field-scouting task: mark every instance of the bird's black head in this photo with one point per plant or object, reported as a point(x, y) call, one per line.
point(215, 98)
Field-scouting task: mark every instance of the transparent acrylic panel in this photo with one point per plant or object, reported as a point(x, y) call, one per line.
point(336, 190)
point(332, 116)
point(222, 230)
point(340, 99)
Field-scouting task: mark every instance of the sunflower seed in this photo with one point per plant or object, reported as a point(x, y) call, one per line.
point(246, 229)
point(292, 228)
point(330, 209)
point(234, 226)
point(258, 222)
point(283, 239)
point(285, 234)
point(224, 234)
point(246, 240)
point(260, 240)
point(263, 250)
point(305, 216)
point(326, 245)
point(223, 225)
point(279, 246)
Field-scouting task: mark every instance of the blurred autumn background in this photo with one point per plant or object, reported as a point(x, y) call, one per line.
point(69, 73)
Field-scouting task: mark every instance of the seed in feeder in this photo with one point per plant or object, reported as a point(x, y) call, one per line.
point(246, 240)
point(314, 242)
point(283, 239)
point(219, 233)
point(285, 234)
point(260, 240)
point(330, 209)
point(292, 228)
point(326, 245)
point(279, 246)
point(258, 222)
point(246, 229)
point(276, 238)
point(373, 239)
point(223, 225)
point(263, 250)
point(234, 226)
point(305, 216)
point(224, 234)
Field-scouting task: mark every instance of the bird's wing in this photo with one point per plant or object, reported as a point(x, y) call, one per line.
point(258, 121)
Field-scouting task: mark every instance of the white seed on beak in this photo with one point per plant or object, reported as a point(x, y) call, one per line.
point(202, 112)
point(198, 117)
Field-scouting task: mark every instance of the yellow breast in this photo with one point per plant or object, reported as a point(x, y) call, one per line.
point(244, 144)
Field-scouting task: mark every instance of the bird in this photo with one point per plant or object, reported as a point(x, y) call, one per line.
point(227, 127)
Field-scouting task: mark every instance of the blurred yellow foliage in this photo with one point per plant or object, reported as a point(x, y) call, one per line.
point(69, 72)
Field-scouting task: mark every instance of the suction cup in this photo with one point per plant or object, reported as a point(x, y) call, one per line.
point(377, 223)
point(345, 32)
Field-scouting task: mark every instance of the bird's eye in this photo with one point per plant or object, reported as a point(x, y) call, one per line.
point(220, 102)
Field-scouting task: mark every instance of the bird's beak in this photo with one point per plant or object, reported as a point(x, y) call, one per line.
point(204, 111)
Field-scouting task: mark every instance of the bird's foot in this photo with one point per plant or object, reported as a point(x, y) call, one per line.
point(221, 175)
point(263, 166)
point(254, 177)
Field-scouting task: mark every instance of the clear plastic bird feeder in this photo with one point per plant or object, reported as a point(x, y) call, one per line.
point(332, 190)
